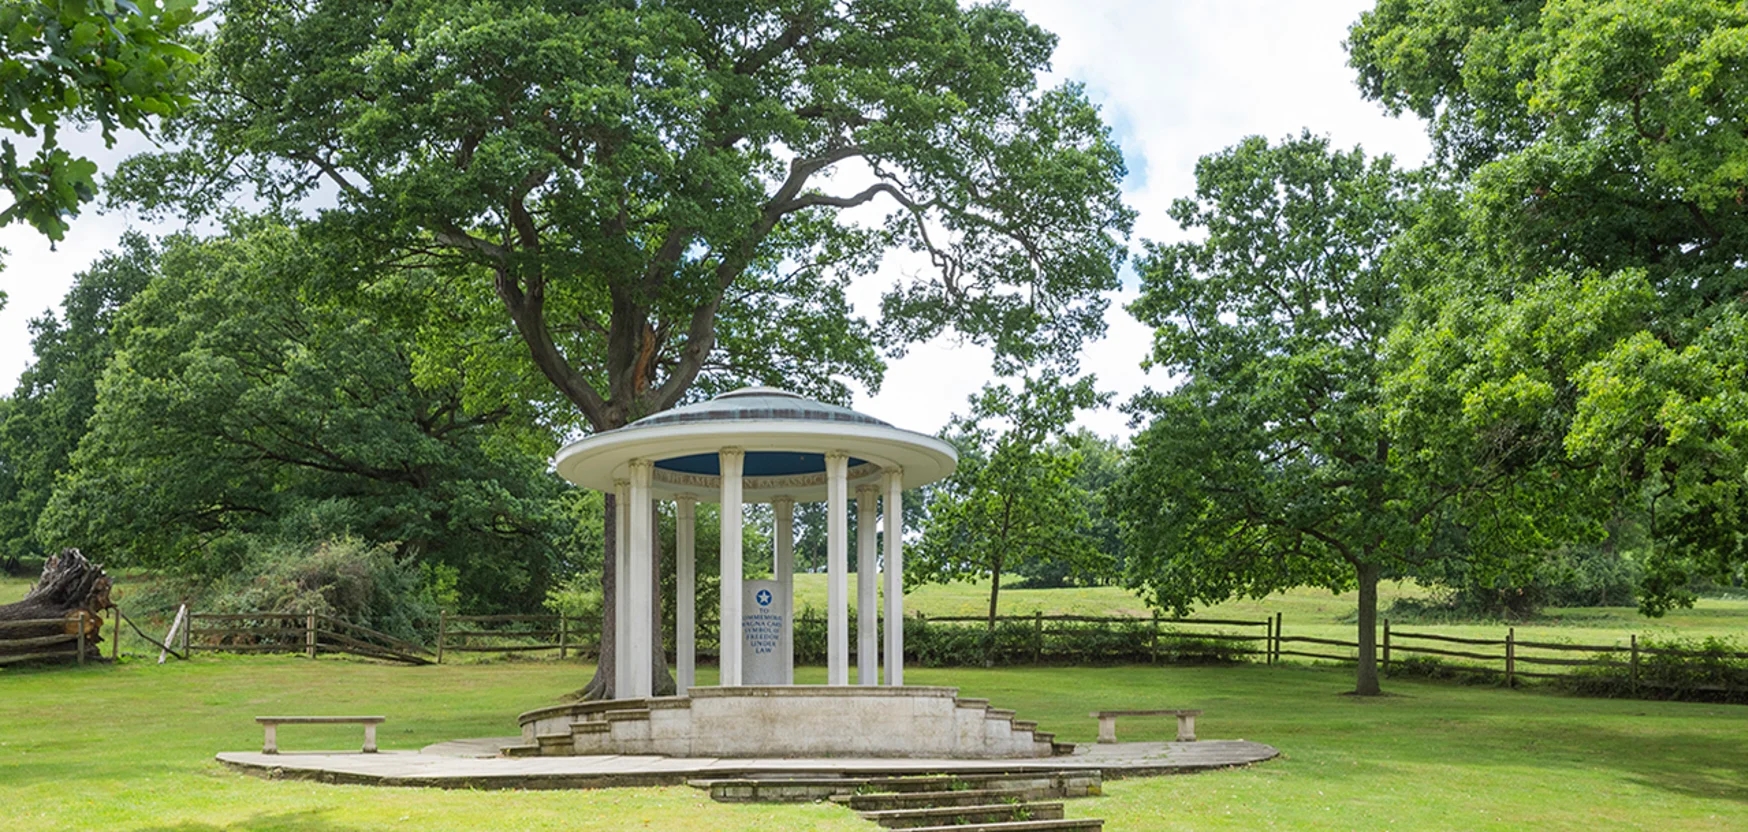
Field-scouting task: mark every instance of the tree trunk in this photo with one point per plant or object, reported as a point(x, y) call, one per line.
point(601, 687)
point(69, 584)
point(1366, 676)
point(994, 595)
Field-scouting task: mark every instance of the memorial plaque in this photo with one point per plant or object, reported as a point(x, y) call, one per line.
point(764, 611)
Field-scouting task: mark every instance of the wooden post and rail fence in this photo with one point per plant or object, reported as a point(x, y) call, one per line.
point(1051, 637)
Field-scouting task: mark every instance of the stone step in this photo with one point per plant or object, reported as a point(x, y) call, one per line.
point(521, 750)
point(865, 802)
point(795, 788)
point(939, 815)
point(1062, 749)
point(1064, 825)
point(774, 791)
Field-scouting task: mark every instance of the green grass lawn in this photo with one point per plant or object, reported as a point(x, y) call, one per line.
point(12, 589)
point(130, 747)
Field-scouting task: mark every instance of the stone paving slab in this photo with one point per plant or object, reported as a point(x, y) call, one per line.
point(466, 764)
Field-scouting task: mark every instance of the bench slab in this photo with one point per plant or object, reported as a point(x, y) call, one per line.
point(1186, 721)
point(270, 741)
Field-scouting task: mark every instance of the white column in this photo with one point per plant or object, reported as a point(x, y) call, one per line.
point(685, 592)
point(731, 461)
point(783, 571)
point(867, 602)
point(640, 644)
point(621, 587)
point(894, 515)
point(837, 560)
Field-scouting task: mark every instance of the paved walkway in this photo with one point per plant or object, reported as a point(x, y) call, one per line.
point(474, 764)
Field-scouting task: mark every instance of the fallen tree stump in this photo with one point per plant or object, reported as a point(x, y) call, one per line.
point(47, 623)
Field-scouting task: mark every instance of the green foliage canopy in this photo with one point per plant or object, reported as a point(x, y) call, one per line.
point(656, 191)
point(1601, 148)
point(56, 395)
point(246, 407)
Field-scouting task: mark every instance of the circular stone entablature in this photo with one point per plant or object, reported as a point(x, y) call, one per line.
point(785, 438)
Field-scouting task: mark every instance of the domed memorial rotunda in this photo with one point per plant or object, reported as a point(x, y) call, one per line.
point(764, 445)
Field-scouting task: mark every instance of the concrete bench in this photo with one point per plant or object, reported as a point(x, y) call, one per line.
point(1186, 722)
point(270, 743)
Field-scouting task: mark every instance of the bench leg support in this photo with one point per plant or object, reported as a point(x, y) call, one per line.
point(1107, 729)
point(270, 743)
point(1186, 728)
point(370, 738)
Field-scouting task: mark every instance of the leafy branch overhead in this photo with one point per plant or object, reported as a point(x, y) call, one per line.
point(115, 63)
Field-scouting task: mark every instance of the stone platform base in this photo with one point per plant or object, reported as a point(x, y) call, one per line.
point(458, 765)
point(786, 721)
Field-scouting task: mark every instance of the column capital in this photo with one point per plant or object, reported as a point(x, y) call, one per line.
point(837, 456)
point(732, 451)
point(867, 489)
point(686, 500)
point(893, 471)
point(641, 464)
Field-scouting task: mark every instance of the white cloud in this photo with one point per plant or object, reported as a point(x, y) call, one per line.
point(1177, 80)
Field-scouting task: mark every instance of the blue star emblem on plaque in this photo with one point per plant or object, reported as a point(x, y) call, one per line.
point(763, 597)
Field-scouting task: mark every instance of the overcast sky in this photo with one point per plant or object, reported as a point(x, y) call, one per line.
point(1176, 79)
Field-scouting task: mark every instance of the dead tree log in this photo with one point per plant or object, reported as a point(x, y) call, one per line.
point(46, 623)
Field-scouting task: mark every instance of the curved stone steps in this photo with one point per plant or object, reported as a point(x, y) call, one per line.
point(624, 726)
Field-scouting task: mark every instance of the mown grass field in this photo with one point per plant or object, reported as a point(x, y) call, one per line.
point(129, 748)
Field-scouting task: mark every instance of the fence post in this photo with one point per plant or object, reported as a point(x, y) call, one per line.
point(81, 620)
point(1386, 647)
point(309, 635)
point(1268, 640)
point(1037, 636)
point(1153, 643)
point(115, 643)
point(562, 646)
point(1634, 672)
point(187, 632)
point(442, 625)
point(1511, 657)
point(1277, 637)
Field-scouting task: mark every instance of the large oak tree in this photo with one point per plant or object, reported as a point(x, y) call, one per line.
point(661, 194)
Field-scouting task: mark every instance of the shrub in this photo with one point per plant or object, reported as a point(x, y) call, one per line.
point(1708, 670)
point(344, 578)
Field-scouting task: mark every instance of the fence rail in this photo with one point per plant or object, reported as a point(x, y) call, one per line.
point(76, 640)
point(509, 634)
